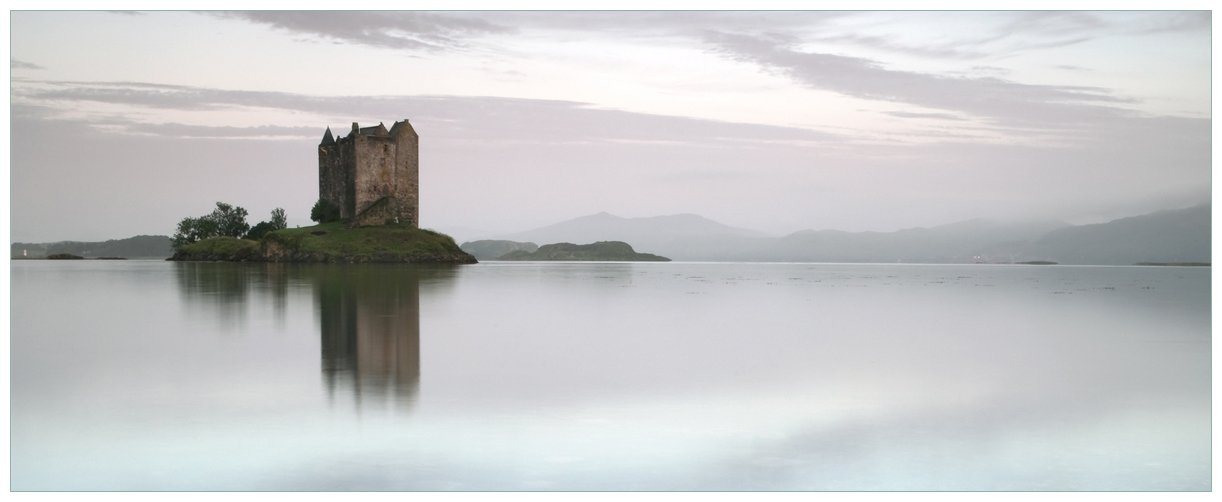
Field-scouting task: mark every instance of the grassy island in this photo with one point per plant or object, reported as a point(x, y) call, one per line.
point(332, 243)
point(598, 251)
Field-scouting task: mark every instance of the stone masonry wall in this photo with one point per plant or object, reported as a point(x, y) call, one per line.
point(335, 176)
point(407, 176)
point(372, 172)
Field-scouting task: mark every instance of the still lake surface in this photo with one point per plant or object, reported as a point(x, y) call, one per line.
point(143, 375)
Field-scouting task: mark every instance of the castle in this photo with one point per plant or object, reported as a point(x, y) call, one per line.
point(372, 175)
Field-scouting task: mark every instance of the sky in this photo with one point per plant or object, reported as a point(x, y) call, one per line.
point(123, 123)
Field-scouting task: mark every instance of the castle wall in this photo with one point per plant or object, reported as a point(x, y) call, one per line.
point(335, 173)
point(349, 169)
point(372, 175)
point(375, 170)
point(407, 176)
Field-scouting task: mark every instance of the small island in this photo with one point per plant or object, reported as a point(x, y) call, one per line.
point(367, 210)
point(331, 243)
point(598, 251)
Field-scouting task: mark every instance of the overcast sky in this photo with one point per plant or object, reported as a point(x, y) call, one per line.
point(124, 123)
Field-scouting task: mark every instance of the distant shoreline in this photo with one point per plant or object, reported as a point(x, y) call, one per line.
point(707, 262)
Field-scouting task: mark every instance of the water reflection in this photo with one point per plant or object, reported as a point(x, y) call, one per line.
point(225, 291)
point(368, 316)
point(370, 325)
point(518, 376)
point(218, 289)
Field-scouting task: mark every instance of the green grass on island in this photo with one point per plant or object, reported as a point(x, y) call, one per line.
point(333, 243)
point(219, 249)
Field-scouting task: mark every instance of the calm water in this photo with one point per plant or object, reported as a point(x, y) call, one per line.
point(614, 376)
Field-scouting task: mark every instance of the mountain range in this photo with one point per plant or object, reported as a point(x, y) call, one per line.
point(1180, 235)
point(140, 246)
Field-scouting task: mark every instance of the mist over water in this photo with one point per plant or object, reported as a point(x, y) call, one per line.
point(609, 376)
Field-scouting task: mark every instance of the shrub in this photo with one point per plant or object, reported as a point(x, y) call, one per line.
point(278, 222)
point(258, 231)
point(324, 212)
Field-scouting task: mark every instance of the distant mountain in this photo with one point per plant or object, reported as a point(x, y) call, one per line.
point(963, 242)
point(1166, 236)
point(681, 236)
point(460, 233)
point(493, 249)
point(598, 251)
point(140, 246)
point(1180, 235)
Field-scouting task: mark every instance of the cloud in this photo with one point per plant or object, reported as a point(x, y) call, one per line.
point(1071, 24)
point(1001, 101)
point(653, 23)
point(483, 120)
point(1070, 67)
point(946, 51)
point(425, 31)
point(1001, 34)
point(188, 131)
point(436, 31)
point(1005, 33)
point(922, 115)
point(1175, 22)
point(22, 65)
point(1052, 29)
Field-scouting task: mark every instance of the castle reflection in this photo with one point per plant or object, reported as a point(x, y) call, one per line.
point(368, 316)
point(370, 323)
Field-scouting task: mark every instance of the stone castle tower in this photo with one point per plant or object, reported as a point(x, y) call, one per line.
point(372, 175)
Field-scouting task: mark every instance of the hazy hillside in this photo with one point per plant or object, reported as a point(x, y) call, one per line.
point(1180, 235)
point(955, 243)
point(681, 236)
point(492, 249)
point(140, 246)
point(1166, 236)
point(691, 237)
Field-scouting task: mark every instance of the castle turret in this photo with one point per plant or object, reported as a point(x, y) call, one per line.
point(401, 128)
point(327, 139)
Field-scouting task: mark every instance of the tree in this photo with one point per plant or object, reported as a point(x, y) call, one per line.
point(193, 230)
point(230, 220)
point(279, 220)
point(186, 232)
point(226, 220)
point(324, 212)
